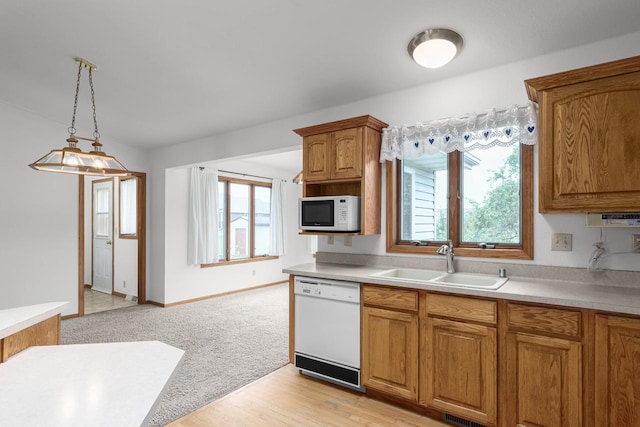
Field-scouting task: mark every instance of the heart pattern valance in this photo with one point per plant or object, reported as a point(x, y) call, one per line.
point(501, 127)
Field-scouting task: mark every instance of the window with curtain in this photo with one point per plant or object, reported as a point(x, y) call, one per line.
point(466, 179)
point(128, 208)
point(244, 220)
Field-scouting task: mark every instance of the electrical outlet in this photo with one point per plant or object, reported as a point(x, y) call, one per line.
point(635, 243)
point(348, 241)
point(329, 240)
point(561, 242)
point(124, 283)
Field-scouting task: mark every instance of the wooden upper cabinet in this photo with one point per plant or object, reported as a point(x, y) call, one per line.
point(343, 159)
point(347, 154)
point(316, 156)
point(589, 138)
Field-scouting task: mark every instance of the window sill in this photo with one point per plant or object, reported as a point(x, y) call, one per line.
point(505, 253)
point(239, 261)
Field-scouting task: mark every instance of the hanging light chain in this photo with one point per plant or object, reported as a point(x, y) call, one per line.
point(72, 128)
point(96, 134)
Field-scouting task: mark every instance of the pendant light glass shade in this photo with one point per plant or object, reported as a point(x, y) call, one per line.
point(435, 48)
point(71, 159)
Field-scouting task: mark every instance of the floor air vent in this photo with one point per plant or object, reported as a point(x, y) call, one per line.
point(460, 422)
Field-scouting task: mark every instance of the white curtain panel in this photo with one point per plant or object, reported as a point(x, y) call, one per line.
point(128, 206)
point(502, 127)
point(277, 241)
point(203, 217)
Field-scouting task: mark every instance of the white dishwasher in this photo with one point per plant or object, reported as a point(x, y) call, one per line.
point(327, 329)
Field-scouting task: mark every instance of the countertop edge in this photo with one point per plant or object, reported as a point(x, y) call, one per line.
point(611, 299)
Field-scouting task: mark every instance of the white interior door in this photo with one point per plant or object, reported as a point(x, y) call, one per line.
point(103, 236)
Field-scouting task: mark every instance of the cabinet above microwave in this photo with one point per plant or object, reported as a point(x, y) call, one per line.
point(342, 158)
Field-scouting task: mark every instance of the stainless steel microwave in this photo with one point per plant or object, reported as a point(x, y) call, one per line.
point(329, 213)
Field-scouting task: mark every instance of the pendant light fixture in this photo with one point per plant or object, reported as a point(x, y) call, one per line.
point(435, 47)
point(71, 159)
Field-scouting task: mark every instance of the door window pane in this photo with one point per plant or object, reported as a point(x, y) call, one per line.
point(102, 210)
point(262, 203)
point(239, 221)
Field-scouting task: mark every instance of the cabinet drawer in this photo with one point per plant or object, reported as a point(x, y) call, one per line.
point(544, 319)
point(462, 308)
point(402, 299)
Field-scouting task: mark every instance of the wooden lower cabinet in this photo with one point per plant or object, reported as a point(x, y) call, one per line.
point(390, 352)
point(617, 382)
point(459, 369)
point(543, 381)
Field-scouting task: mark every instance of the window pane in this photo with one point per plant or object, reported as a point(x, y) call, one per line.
point(239, 232)
point(222, 220)
point(491, 203)
point(424, 208)
point(262, 220)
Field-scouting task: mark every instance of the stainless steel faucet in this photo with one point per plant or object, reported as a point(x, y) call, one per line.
point(447, 250)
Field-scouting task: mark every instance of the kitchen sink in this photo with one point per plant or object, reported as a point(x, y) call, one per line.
point(412, 274)
point(462, 280)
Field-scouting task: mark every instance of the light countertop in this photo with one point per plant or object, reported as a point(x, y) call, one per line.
point(14, 320)
point(618, 299)
point(109, 384)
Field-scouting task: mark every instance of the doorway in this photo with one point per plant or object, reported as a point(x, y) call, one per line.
point(102, 232)
point(125, 278)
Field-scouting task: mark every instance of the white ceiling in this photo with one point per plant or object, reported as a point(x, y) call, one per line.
point(171, 71)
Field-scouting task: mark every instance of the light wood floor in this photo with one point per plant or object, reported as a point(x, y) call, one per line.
point(286, 398)
point(95, 301)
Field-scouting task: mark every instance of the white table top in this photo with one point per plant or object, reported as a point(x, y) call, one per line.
point(14, 320)
point(109, 384)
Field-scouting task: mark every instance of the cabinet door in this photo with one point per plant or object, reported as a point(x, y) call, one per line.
point(347, 154)
point(390, 352)
point(544, 381)
point(316, 157)
point(459, 374)
point(617, 371)
point(589, 150)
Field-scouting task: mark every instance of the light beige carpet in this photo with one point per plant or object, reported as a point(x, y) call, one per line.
point(229, 342)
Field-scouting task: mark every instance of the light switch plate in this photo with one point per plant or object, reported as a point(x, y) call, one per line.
point(635, 243)
point(561, 242)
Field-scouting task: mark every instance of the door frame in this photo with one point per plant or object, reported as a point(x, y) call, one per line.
point(141, 219)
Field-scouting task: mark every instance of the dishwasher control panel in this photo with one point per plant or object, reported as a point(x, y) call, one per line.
point(329, 289)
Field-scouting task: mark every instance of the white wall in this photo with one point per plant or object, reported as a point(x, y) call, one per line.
point(39, 212)
point(480, 91)
point(184, 282)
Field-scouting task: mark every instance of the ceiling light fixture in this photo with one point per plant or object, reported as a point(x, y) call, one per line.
point(435, 47)
point(71, 159)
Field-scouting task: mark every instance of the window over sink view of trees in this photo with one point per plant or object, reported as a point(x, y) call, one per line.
point(490, 202)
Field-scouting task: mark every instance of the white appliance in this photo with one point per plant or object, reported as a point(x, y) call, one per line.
point(327, 329)
point(329, 213)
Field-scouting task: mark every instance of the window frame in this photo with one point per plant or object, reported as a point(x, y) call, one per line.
point(252, 258)
point(522, 251)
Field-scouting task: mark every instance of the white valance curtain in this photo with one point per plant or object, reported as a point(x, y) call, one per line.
point(501, 127)
point(277, 239)
point(203, 217)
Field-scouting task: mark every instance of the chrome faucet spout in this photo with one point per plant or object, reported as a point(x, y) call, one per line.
point(447, 250)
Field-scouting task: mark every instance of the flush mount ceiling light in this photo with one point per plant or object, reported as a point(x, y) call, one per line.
point(435, 47)
point(71, 159)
